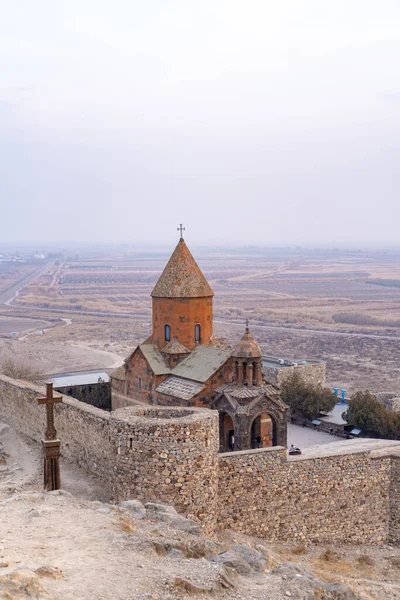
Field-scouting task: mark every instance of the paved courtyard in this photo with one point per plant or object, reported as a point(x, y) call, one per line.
point(306, 436)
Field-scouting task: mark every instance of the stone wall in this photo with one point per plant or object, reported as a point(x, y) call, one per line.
point(165, 453)
point(313, 374)
point(182, 315)
point(325, 500)
point(136, 452)
point(170, 455)
point(394, 532)
point(95, 394)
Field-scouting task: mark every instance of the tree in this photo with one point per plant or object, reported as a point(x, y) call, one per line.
point(306, 399)
point(366, 413)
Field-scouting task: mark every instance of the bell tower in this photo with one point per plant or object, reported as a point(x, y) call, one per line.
point(247, 361)
point(182, 302)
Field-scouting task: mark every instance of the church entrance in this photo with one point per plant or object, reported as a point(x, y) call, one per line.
point(263, 432)
point(226, 433)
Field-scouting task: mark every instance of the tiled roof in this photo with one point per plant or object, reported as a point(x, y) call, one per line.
point(182, 277)
point(118, 373)
point(242, 391)
point(155, 359)
point(201, 364)
point(247, 347)
point(175, 347)
point(180, 388)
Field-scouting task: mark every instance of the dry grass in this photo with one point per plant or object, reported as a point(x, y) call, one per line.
point(299, 550)
point(126, 524)
point(330, 556)
point(365, 560)
point(19, 370)
point(395, 562)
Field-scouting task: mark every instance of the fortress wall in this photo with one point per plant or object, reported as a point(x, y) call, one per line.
point(395, 501)
point(169, 455)
point(313, 374)
point(137, 452)
point(326, 500)
point(82, 429)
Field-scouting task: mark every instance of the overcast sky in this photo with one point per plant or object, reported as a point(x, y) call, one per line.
point(262, 121)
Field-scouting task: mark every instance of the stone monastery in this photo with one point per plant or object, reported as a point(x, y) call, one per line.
point(182, 363)
point(162, 441)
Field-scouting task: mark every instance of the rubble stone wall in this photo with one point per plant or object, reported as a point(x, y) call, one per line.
point(394, 533)
point(313, 374)
point(138, 453)
point(326, 500)
point(169, 455)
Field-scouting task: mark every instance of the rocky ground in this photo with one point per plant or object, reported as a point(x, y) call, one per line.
point(73, 544)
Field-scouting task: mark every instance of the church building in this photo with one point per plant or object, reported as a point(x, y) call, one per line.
point(182, 363)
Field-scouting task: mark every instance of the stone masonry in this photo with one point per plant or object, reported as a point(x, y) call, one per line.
point(314, 374)
point(171, 455)
point(138, 453)
point(332, 499)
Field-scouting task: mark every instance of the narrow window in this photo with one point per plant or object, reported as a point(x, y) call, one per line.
point(167, 333)
point(140, 383)
point(197, 333)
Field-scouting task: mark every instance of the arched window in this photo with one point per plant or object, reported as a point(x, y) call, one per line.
point(197, 333)
point(167, 333)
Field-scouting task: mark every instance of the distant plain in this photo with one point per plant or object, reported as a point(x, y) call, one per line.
point(333, 305)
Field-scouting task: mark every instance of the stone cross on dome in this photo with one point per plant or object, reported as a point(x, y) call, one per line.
point(247, 326)
point(181, 228)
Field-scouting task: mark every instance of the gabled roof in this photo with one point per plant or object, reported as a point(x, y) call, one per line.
point(242, 391)
point(201, 364)
point(180, 388)
point(175, 347)
point(182, 277)
point(155, 359)
point(118, 373)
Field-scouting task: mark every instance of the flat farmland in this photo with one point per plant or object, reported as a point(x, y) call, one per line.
point(342, 307)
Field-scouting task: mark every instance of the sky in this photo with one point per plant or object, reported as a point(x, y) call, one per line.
point(264, 122)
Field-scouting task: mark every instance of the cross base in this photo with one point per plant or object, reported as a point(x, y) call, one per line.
point(51, 454)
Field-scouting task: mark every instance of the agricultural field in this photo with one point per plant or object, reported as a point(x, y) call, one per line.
point(11, 272)
point(342, 307)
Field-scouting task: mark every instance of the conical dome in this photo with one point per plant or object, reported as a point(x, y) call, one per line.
point(247, 347)
point(182, 277)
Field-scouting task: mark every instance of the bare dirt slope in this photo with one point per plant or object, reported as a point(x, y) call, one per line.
point(57, 545)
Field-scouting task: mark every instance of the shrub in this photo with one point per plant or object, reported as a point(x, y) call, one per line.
point(16, 370)
point(305, 399)
point(366, 413)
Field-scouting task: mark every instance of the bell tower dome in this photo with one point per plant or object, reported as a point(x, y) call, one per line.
point(182, 302)
point(247, 357)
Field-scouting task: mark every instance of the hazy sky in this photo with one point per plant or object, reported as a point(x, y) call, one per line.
point(265, 121)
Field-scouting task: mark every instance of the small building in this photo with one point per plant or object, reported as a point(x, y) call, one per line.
point(276, 369)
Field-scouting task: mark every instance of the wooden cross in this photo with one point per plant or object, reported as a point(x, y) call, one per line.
point(51, 445)
point(49, 401)
point(181, 228)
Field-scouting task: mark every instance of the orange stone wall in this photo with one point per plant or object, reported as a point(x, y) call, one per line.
point(140, 383)
point(182, 315)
